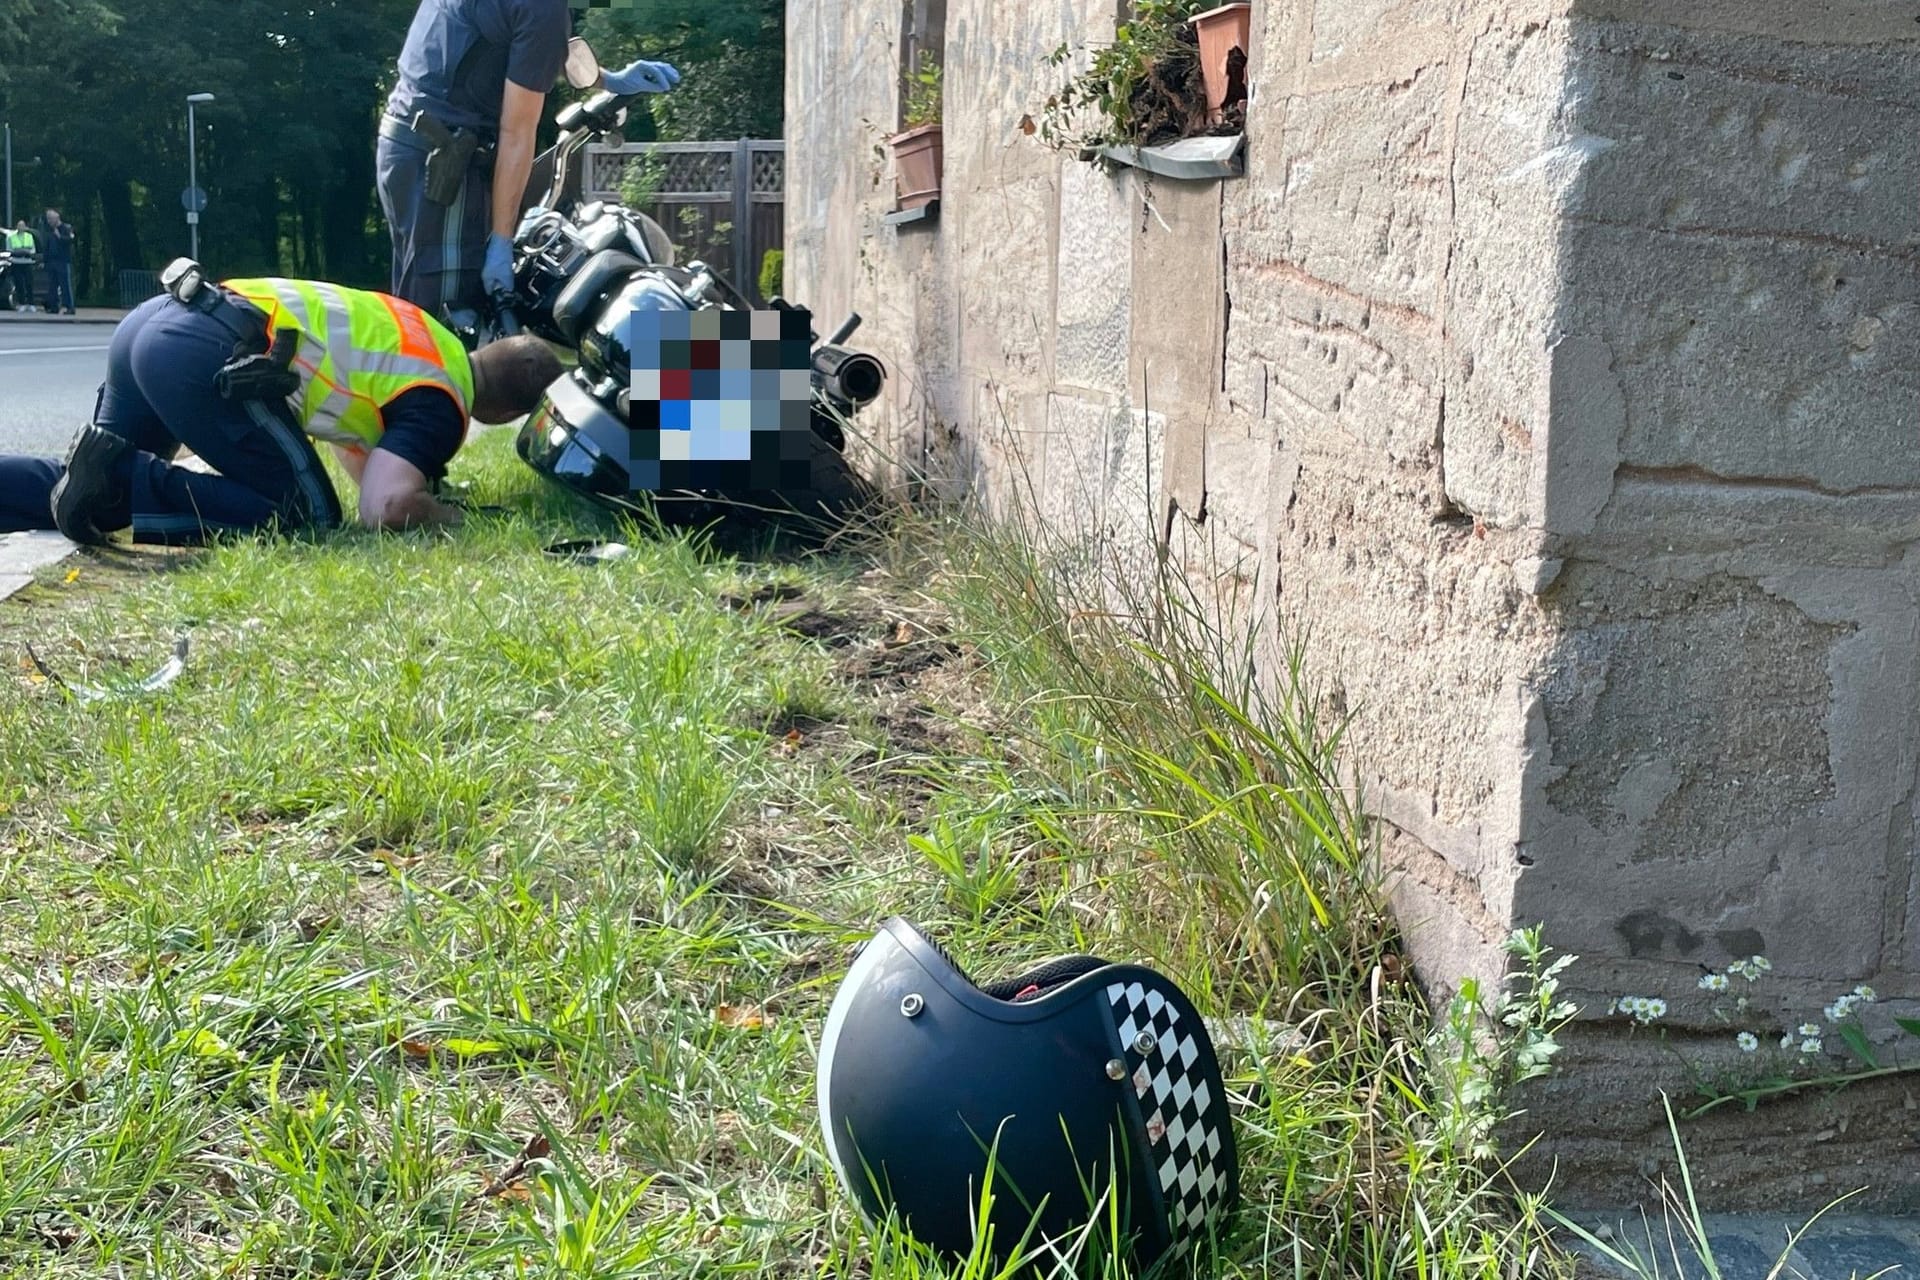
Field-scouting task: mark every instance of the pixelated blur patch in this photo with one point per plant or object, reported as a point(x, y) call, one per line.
point(720, 400)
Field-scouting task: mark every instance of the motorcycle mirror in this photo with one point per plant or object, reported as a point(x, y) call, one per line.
point(583, 68)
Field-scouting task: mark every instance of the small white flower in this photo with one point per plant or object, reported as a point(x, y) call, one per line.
point(1864, 995)
point(1842, 1008)
point(1643, 1009)
point(1811, 1045)
point(1786, 1041)
point(1747, 1041)
point(1809, 1029)
point(1714, 982)
point(1742, 1003)
point(1750, 968)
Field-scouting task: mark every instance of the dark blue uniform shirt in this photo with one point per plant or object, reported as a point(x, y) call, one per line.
point(460, 54)
point(425, 427)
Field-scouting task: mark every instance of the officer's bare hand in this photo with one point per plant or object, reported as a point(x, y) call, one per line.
point(393, 495)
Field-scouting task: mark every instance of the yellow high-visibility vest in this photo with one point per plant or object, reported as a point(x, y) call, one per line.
point(358, 351)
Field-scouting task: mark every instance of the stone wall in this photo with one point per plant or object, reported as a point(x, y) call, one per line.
point(1552, 376)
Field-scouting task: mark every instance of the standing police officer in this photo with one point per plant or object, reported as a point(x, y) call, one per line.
point(457, 140)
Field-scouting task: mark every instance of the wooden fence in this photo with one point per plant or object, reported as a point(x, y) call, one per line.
point(720, 202)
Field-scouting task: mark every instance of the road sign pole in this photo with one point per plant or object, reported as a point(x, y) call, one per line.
point(193, 184)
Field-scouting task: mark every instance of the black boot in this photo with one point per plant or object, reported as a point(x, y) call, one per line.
point(88, 496)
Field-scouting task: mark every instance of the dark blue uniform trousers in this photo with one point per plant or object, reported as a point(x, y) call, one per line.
point(159, 395)
point(437, 249)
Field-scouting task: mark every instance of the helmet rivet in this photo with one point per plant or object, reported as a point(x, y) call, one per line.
point(1143, 1044)
point(911, 1004)
point(1116, 1069)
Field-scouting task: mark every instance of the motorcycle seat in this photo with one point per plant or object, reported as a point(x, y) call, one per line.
point(574, 309)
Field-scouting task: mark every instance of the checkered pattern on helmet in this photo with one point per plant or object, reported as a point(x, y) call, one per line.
point(1185, 1119)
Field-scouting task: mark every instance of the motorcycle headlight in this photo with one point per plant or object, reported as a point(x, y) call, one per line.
point(572, 439)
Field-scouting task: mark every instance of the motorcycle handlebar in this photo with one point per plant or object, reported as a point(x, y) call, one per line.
point(505, 316)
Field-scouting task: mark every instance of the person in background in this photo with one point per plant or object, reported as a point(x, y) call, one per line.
point(457, 140)
point(59, 255)
point(24, 250)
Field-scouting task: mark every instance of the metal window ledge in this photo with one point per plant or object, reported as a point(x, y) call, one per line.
point(927, 213)
point(1193, 159)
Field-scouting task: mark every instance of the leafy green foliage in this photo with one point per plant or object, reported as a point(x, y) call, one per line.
point(286, 152)
point(773, 273)
point(642, 180)
point(923, 93)
point(1115, 98)
point(732, 59)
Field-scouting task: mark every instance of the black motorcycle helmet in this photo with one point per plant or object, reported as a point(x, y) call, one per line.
point(1078, 1076)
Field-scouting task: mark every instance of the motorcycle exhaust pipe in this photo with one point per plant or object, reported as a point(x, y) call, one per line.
point(851, 376)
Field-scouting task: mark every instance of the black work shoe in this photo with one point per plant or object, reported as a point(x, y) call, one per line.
point(87, 496)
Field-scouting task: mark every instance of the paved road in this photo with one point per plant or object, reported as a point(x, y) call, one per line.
point(49, 373)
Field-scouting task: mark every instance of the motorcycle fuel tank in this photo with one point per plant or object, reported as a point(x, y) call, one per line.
point(606, 350)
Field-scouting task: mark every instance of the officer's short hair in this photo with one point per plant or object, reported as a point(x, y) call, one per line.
point(515, 373)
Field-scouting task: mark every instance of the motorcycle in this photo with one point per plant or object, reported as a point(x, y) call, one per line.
point(582, 271)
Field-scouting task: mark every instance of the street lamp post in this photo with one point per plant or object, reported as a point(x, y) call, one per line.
point(193, 174)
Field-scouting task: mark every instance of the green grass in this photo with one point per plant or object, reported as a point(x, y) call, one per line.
point(441, 848)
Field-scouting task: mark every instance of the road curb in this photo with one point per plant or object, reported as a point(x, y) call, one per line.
point(61, 320)
point(24, 554)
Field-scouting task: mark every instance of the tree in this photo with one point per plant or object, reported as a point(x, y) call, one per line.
point(285, 152)
point(732, 59)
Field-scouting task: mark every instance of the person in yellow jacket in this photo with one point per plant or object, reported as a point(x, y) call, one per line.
point(24, 251)
point(248, 374)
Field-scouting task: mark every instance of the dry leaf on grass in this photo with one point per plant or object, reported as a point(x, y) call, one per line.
point(508, 1184)
point(453, 1046)
point(745, 1017)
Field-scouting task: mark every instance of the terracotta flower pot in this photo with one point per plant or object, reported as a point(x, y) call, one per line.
point(916, 166)
point(1221, 31)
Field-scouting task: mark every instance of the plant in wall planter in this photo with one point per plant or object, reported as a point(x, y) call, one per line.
point(916, 150)
point(1154, 83)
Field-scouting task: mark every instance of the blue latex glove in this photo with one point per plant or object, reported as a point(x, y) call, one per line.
point(640, 77)
point(496, 275)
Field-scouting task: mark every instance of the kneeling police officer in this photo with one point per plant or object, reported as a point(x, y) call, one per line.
point(247, 374)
